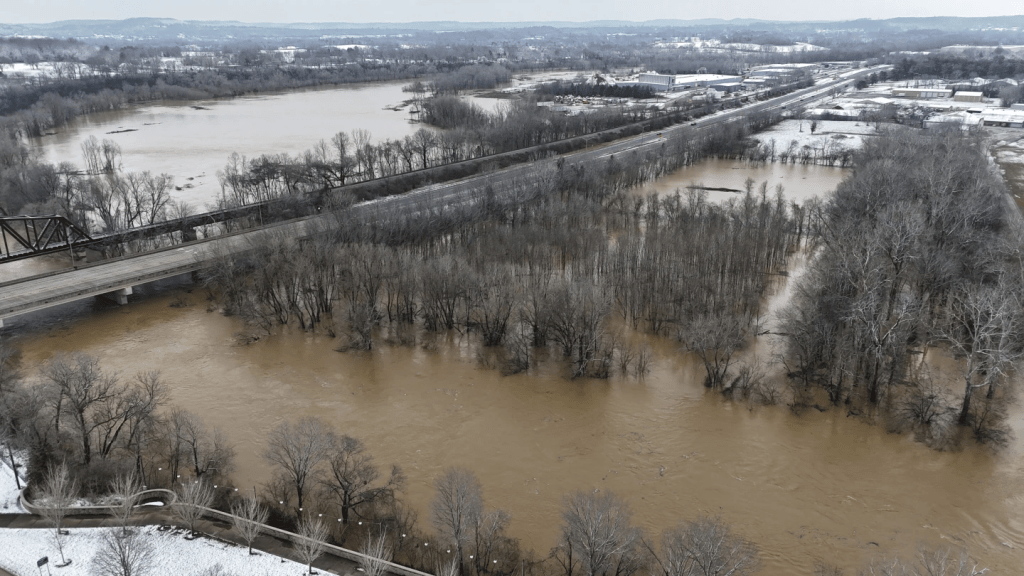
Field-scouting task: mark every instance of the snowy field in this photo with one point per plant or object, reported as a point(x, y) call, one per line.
point(20, 549)
point(718, 46)
point(846, 134)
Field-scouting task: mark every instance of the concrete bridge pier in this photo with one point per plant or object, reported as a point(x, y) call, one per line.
point(119, 297)
point(188, 234)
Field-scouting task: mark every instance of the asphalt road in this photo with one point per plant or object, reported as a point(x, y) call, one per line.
point(36, 293)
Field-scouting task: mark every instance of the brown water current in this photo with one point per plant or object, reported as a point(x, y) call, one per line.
point(820, 485)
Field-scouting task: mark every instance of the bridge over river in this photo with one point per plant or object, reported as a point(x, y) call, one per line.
point(115, 278)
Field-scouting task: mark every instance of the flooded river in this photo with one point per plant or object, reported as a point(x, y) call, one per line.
point(820, 485)
point(814, 486)
point(192, 141)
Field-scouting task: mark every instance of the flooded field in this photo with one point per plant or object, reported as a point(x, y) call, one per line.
point(813, 486)
point(801, 182)
point(819, 485)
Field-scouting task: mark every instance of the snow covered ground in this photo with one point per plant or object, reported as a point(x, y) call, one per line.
point(719, 46)
point(20, 549)
point(9, 493)
point(846, 134)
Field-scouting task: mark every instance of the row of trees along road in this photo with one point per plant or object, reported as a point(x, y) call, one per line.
point(914, 256)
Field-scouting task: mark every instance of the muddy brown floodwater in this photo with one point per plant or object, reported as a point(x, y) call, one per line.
point(820, 485)
point(192, 141)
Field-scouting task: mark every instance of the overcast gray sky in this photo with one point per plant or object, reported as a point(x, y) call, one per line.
point(20, 11)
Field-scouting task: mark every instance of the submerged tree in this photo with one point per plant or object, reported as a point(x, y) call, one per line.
point(707, 547)
point(298, 450)
point(457, 508)
point(597, 530)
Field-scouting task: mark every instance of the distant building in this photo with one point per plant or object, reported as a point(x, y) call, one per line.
point(672, 82)
point(660, 82)
point(921, 93)
point(964, 119)
point(1003, 118)
point(684, 81)
point(728, 87)
point(967, 97)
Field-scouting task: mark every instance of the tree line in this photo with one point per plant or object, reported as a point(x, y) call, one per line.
point(916, 253)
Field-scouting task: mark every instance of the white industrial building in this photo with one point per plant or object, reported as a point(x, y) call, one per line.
point(704, 80)
point(660, 82)
point(921, 93)
point(673, 82)
point(1002, 117)
point(968, 97)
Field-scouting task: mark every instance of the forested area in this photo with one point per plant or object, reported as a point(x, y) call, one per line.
point(954, 67)
point(530, 267)
point(916, 255)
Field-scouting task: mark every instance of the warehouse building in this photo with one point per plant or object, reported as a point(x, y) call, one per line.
point(921, 93)
point(967, 97)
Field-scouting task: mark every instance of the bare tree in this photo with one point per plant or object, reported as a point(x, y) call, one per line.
point(207, 452)
point(352, 476)
point(927, 562)
point(79, 389)
point(313, 533)
point(377, 553)
point(58, 493)
point(981, 328)
point(457, 508)
point(448, 568)
point(707, 547)
point(714, 339)
point(123, 554)
point(298, 450)
point(248, 518)
point(125, 490)
point(597, 529)
point(947, 562)
point(193, 498)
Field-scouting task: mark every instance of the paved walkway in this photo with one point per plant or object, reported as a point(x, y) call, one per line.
point(212, 528)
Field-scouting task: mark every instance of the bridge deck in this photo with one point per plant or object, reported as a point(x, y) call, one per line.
point(36, 293)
